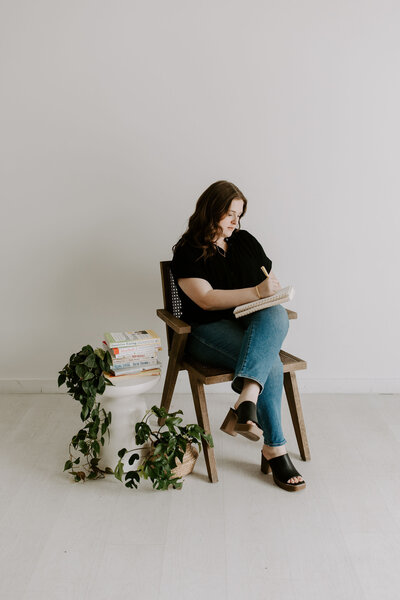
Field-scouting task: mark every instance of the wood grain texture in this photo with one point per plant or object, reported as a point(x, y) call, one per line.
point(296, 412)
point(200, 405)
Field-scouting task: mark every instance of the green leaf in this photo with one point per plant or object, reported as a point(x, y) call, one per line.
point(171, 445)
point(61, 378)
point(108, 382)
point(90, 361)
point(133, 458)
point(100, 353)
point(87, 350)
point(96, 447)
point(119, 470)
point(132, 475)
point(68, 465)
point(85, 412)
point(122, 452)
point(88, 376)
point(108, 359)
point(77, 461)
point(194, 430)
point(88, 388)
point(158, 449)
point(177, 412)
point(81, 371)
point(84, 448)
point(143, 432)
point(173, 421)
point(101, 386)
point(209, 440)
point(93, 431)
point(179, 455)
point(161, 413)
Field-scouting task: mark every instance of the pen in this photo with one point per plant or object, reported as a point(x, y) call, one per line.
point(264, 270)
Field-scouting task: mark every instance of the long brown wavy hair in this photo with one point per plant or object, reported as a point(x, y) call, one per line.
point(211, 207)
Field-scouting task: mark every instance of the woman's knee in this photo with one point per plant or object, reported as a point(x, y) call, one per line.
point(276, 317)
point(282, 317)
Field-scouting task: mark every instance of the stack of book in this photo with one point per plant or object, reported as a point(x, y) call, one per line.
point(133, 353)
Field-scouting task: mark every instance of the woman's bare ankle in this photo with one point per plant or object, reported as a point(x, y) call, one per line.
point(273, 451)
point(243, 398)
point(250, 392)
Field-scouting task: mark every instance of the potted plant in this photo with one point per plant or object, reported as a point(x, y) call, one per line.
point(84, 377)
point(171, 450)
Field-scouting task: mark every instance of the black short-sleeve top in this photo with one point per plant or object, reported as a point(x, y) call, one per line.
point(239, 268)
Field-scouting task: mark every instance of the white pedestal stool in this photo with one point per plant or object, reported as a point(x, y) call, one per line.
point(127, 406)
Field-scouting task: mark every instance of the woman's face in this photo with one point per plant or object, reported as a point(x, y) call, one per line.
point(230, 221)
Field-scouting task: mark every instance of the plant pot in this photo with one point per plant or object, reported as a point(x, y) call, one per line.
point(187, 465)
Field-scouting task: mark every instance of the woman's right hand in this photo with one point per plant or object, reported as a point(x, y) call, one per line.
point(269, 286)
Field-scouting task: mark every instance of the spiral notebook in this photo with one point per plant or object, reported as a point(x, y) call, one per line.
point(283, 295)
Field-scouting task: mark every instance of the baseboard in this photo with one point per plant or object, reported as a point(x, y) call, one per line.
point(306, 385)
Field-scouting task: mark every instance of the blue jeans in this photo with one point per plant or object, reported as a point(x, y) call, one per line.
point(250, 346)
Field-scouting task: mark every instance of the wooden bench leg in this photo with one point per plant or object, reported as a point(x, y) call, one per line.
point(296, 412)
point(200, 406)
point(177, 348)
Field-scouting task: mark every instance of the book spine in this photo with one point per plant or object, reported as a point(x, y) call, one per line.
point(156, 342)
point(150, 373)
point(134, 364)
point(132, 371)
point(145, 338)
point(131, 353)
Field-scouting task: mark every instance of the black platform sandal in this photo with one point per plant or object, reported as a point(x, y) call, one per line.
point(236, 421)
point(282, 469)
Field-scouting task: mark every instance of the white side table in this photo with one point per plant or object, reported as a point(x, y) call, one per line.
point(127, 406)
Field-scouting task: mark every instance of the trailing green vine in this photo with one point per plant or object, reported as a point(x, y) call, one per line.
point(84, 378)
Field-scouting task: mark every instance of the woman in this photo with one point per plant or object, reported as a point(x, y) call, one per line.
point(217, 266)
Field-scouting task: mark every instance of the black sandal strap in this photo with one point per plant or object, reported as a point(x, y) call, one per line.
point(247, 411)
point(283, 468)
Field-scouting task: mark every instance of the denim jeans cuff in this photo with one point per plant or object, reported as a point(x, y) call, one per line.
point(237, 383)
point(275, 444)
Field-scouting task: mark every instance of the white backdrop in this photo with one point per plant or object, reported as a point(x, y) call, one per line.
point(115, 116)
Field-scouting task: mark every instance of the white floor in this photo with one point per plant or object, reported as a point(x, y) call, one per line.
point(240, 538)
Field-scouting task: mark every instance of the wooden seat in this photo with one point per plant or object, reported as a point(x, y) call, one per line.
point(201, 374)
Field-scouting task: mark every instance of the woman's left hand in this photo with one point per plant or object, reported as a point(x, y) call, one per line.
point(269, 286)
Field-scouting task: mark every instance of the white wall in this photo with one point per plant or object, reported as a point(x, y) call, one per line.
point(115, 116)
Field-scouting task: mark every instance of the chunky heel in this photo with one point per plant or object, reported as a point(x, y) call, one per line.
point(282, 469)
point(229, 424)
point(265, 466)
point(236, 421)
point(247, 411)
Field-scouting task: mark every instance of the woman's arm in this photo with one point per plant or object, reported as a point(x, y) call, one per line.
point(201, 292)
